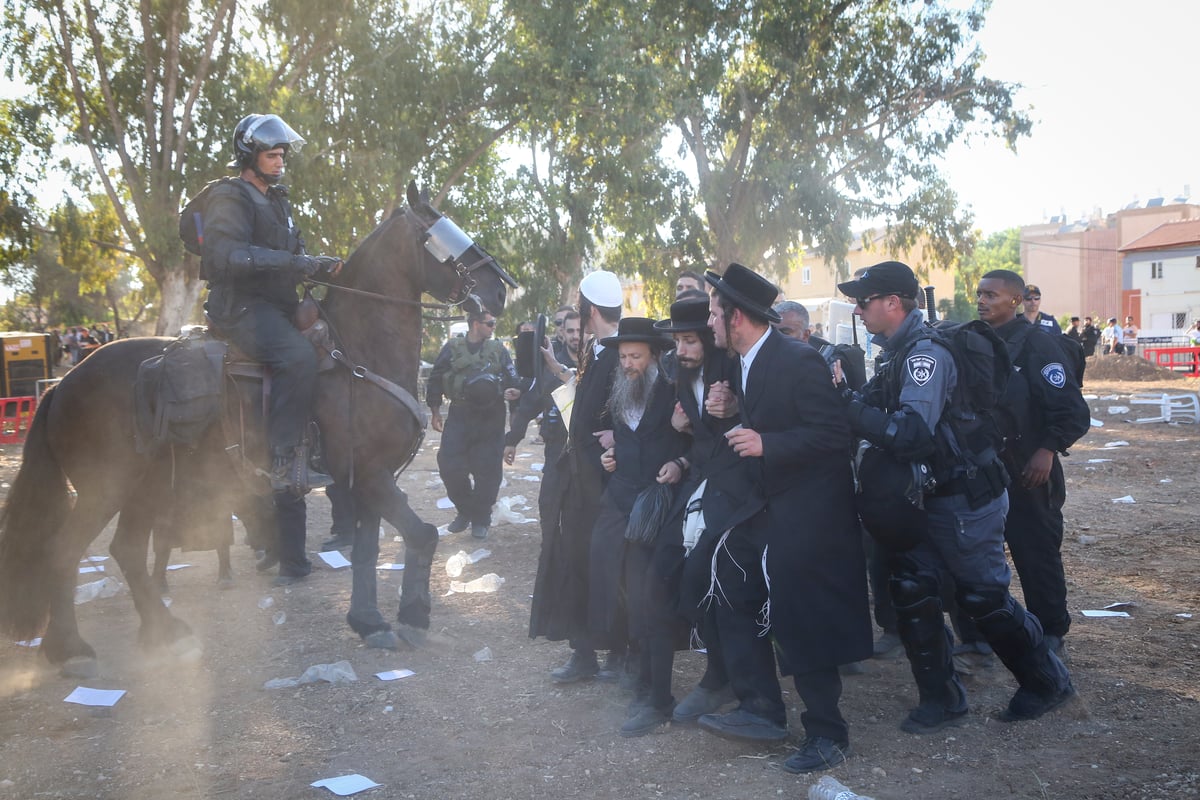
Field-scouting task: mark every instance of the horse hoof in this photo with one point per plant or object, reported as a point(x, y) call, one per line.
point(186, 650)
point(382, 640)
point(418, 637)
point(80, 667)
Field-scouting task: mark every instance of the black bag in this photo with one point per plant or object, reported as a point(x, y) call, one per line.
point(853, 360)
point(177, 395)
point(891, 500)
point(482, 389)
point(649, 513)
point(982, 360)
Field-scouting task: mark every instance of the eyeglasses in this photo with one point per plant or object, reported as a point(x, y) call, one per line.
point(866, 301)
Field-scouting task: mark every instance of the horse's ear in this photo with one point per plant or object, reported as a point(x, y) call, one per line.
point(413, 196)
point(425, 195)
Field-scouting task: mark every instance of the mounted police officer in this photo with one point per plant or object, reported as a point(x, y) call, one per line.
point(910, 412)
point(477, 374)
point(253, 258)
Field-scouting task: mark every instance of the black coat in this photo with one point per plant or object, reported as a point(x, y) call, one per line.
point(560, 594)
point(818, 581)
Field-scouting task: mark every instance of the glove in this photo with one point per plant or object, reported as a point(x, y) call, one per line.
point(308, 266)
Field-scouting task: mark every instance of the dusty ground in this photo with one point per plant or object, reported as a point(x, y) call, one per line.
point(499, 728)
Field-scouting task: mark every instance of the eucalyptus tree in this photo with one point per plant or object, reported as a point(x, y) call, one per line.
point(801, 117)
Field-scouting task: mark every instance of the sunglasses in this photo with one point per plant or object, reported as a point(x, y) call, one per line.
point(1033, 297)
point(866, 301)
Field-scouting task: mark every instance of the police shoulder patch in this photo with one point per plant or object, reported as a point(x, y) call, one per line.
point(1055, 375)
point(921, 368)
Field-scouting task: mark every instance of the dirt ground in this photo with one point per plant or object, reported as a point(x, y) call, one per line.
point(465, 727)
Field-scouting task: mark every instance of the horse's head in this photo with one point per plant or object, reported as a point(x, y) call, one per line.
point(455, 268)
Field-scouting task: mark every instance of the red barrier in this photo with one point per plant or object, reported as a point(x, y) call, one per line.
point(1185, 360)
point(16, 414)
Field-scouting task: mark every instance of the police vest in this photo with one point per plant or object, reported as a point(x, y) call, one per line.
point(465, 365)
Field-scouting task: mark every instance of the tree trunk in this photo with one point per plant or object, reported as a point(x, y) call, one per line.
point(179, 295)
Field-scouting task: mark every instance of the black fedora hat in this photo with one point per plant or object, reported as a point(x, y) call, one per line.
point(638, 329)
point(747, 289)
point(686, 316)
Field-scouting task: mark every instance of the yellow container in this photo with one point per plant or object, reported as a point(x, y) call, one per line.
point(25, 359)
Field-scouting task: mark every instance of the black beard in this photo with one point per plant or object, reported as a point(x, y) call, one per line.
point(631, 394)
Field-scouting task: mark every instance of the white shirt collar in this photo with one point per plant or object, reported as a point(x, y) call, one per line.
point(748, 359)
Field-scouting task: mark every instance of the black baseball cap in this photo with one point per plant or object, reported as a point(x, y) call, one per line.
point(888, 277)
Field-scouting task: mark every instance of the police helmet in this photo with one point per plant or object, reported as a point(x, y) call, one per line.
point(890, 501)
point(257, 133)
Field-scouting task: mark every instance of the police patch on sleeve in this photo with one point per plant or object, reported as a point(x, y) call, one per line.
point(920, 368)
point(1055, 375)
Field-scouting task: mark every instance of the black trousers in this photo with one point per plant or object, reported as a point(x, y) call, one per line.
point(470, 459)
point(820, 693)
point(265, 333)
point(1034, 532)
point(341, 505)
point(877, 575)
point(291, 520)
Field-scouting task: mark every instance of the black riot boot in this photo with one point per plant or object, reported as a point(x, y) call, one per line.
point(290, 471)
point(1016, 636)
point(943, 700)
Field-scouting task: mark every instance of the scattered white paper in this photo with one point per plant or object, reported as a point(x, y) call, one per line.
point(533, 478)
point(1126, 500)
point(1099, 460)
point(1120, 606)
point(443, 530)
point(1091, 397)
point(444, 503)
point(394, 674)
point(86, 570)
point(334, 559)
point(94, 697)
point(346, 785)
point(173, 567)
point(1118, 409)
point(1097, 423)
point(390, 566)
point(1166, 480)
point(536, 467)
point(1110, 397)
point(1102, 613)
point(30, 642)
point(1117, 444)
point(92, 559)
point(524, 455)
point(1184, 615)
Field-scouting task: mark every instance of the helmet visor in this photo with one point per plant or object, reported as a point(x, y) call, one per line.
point(268, 132)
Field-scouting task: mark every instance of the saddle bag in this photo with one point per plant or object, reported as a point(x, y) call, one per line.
point(177, 395)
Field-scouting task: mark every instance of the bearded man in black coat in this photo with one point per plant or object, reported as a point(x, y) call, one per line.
point(796, 437)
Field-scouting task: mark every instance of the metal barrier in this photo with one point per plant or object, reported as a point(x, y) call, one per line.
point(1185, 360)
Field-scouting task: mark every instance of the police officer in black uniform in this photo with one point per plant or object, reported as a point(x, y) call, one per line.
point(253, 258)
point(477, 374)
point(913, 410)
point(1050, 415)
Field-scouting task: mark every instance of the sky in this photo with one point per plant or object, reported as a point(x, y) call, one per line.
point(1112, 89)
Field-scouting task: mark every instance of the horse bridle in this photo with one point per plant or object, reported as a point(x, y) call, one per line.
point(448, 243)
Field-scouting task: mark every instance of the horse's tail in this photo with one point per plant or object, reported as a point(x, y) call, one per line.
point(30, 526)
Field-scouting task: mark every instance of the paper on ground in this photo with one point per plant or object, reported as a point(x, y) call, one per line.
point(390, 565)
point(1099, 460)
point(1097, 423)
point(345, 785)
point(30, 642)
point(94, 697)
point(1103, 613)
point(92, 559)
point(394, 674)
point(1126, 500)
point(334, 559)
point(444, 503)
point(1120, 443)
point(86, 570)
point(172, 567)
point(536, 467)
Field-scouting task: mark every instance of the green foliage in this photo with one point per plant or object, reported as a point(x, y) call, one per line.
point(1001, 250)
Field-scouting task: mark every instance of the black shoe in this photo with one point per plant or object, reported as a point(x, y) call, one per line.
point(741, 725)
point(288, 580)
point(701, 701)
point(1027, 704)
point(266, 561)
point(934, 715)
point(646, 720)
point(853, 668)
point(888, 646)
point(290, 472)
point(479, 531)
point(338, 541)
point(614, 665)
point(459, 524)
point(817, 753)
point(579, 667)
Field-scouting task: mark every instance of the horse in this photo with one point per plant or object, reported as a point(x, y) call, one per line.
point(83, 432)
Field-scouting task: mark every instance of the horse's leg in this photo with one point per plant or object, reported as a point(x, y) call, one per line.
point(61, 643)
point(380, 493)
point(162, 557)
point(129, 547)
point(364, 616)
point(224, 569)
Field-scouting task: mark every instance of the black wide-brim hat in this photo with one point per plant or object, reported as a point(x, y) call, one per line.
point(638, 329)
point(747, 289)
point(687, 316)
